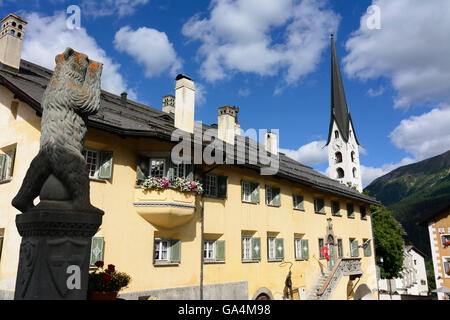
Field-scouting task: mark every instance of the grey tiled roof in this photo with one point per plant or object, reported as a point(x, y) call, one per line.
point(135, 119)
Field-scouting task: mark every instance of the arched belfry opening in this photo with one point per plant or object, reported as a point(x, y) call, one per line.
point(338, 157)
point(340, 173)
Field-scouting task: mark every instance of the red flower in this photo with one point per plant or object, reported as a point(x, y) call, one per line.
point(106, 277)
point(99, 264)
point(111, 268)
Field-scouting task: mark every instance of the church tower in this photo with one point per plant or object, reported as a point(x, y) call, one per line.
point(343, 153)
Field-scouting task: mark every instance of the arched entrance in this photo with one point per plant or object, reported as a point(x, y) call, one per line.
point(363, 293)
point(263, 294)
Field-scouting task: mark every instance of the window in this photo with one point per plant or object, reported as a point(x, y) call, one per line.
point(336, 134)
point(301, 249)
point(214, 250)
point(275, 249)
point(367, 248)
point(250, 192)
point(7, 164)
point(319, 205)
point(2, 236)
point(216, 186)
point(363, 212)
point(354, 173)
point(167, 251)
point(350, 210)
point(352, 155)
point(354, 248)
point(321, 256)
point(335, 208)
point(445, 238)
point(158, 168)
point(338, 157)
point(99, 163)
point(97, 244)
point(298, 202)
point(340, 249)
point(251, 248)
point(273, 196)
point(446, 263)
point(340, 173)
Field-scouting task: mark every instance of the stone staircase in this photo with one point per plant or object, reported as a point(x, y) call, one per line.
point(313, 293)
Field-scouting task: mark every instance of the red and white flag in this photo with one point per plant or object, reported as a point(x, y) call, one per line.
point(325, 250)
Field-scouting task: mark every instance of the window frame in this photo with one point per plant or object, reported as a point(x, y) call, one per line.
point(273, 196)
point(164, 170)
point(442, 236)
point(316, 205)
point(295, 198)
point(158, 260)
point(209, 246)
point(446, 262)
point(351, 240)
point(250, 241)
point(208, 184)
point(352, 215)
point(9, 154)
point(338, 212)
point(252, 188)
point(97, 162)
point(321, 240)
point(271, 249)
point(361, 209)
point(299, 241)
point(340, 248)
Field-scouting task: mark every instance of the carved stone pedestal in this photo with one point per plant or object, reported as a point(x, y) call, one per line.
point(55, 251)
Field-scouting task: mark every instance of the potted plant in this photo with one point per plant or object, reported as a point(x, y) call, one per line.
point(446, 243)
point(105, 284)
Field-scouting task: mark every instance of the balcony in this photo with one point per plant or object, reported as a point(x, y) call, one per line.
point(165, 208)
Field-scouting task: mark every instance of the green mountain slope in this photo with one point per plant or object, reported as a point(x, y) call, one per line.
point(413, 192)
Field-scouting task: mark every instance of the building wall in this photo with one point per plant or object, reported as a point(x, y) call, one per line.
point(440, 225)
point(129, 238)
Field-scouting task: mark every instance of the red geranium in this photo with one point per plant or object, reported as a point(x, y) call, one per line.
point(99, 264)
point(107, 277)
point(111, 267)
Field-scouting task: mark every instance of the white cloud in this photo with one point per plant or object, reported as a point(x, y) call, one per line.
point(244, 92)
point(424, 136)
point(311, 154)
point(238, 36)
point(120, 8)
point(411, 49)
point(47, 36)
point(149, 47)
point(369, 174)
point(376, 92)
point(200, 94)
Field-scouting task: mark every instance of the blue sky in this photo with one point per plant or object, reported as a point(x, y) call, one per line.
point(272, 59)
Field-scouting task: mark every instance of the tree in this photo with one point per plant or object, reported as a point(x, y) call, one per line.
point(388, 242)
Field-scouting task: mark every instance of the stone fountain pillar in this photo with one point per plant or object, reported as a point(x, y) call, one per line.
point(57, 233)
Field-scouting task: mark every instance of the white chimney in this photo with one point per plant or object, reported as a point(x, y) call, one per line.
point(11, 38)
point(184, 103)
point(227, 123)
point(168, 105)
point(272, 142)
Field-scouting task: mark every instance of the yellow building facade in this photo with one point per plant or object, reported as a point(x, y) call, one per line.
point(237, 240)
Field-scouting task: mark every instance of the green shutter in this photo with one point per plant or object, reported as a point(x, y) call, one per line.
point(175, 251)
point(255, 192)
point(368, 250)
point(305, 249)
point(13, 158)
point(143, 168)
point(354, 248)
point(256, 248)
point(106, 165)
point(190, 171)
point(97, 245)
point(222, 185)
point(276, 192)
point(220, 250)
point(279, 248)
point(2, 166)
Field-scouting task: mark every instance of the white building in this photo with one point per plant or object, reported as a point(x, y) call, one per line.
point(413, 281)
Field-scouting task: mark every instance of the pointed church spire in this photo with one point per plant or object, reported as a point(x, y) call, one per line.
point(339, 109)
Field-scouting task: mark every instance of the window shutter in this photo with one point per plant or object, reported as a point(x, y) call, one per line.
point(106, 164)
point(279, 248)
point(276, 192)
point(13, 158)
point(97, 245)
point(256, 248)
point(220, 250)
point(255, 192)
point(143, 169)
point(305, 249)
point(368, 250)
point(2, 165)
point(175, 251)
point(354, 248)
point(222, 183)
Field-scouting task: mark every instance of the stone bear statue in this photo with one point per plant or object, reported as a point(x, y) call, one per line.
point(71, 96)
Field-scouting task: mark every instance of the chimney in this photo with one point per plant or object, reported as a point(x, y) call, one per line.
point(184, 103)
point(124, 98)
point(11, 38)
point(227, 123)
point(168, 105)
point(272, 142)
